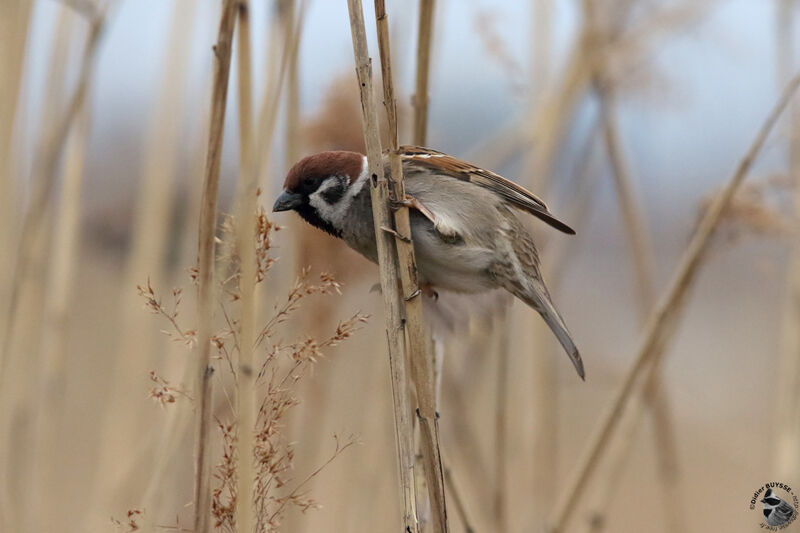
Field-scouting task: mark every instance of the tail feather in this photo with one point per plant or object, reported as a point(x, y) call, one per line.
point(538, 298)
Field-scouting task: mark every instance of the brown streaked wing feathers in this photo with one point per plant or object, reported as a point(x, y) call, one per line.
point(516, 195)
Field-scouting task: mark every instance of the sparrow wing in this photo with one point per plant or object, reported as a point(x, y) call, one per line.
point(784, 510)
point(509, 191)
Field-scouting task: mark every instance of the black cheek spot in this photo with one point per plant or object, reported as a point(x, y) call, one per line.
point(331, 195)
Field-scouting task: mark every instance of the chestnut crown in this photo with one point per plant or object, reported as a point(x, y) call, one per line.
point(307, 174)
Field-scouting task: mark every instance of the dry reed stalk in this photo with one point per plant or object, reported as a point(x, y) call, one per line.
point(43, 178)
point(542, 12)
point(663, 317)
point(137, 350)
point(251, 160)
point(536, 337)
point(14, 24)
point(245, 236)
point(316, 407)
point(293, 148)
point(180, 419)
point(787, 415)
point(205, 267)
point(643, 256)
point(426, 8)
point(419, 342)
point(634, 221)
point(501, 426)
point(461, 509)
point(293, 141)
point(49, 412)
point(24, 321)
point(268, 114)
point(467, 456)
point(289, 27)
point(652, 392)
point(548, 126)
point(389, 275)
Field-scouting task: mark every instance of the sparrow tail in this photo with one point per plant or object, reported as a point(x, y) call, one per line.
point(538, 298)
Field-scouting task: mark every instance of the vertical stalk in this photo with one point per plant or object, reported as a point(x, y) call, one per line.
point(137, 348)
point(205, 266)
point(501, 335)
point(419, 348)
point(14, 24)
point(420, 137)
point(26, 286)
point(543, 417)
point(643, 257)
point(43, 178)
point(245, 237)
point(390, 277)
point(56, 315)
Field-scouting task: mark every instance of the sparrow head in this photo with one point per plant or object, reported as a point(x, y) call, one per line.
point(770, 500)
point(321, 187)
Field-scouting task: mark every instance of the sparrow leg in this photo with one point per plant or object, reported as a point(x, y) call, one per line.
point(412, 203)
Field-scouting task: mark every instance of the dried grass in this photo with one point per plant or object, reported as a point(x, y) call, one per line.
point(277, 370)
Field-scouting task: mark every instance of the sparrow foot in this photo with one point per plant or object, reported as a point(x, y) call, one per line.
point(396, 234)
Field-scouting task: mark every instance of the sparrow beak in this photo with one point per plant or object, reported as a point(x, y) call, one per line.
point(287, 201)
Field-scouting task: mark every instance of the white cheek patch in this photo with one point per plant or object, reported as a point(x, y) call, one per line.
point(333, 213)
point(337, 212)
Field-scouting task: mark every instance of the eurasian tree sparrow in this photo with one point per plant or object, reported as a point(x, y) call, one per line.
point(776, 511)
point(466, 235)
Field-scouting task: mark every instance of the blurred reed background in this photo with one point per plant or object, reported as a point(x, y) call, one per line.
point(627, 116)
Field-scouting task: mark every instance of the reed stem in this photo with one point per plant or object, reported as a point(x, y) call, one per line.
point(205, 266)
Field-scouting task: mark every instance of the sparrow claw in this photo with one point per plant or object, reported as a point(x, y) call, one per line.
point(413, 295)
point(397, 235)
point(395, 204)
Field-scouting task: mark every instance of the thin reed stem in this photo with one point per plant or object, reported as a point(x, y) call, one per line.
point(455, 492)
point(418, 337)
point(268, 114)
point(643, 258)
point(14, 24)
point(501, 426)
point(245, 241)
point(43, 178)
point(136, 351)
point(424, 38)
point(56, 319)
point(389, 275)
point(205, 267)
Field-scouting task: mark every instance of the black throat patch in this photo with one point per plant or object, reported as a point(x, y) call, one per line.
point(310, 215)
